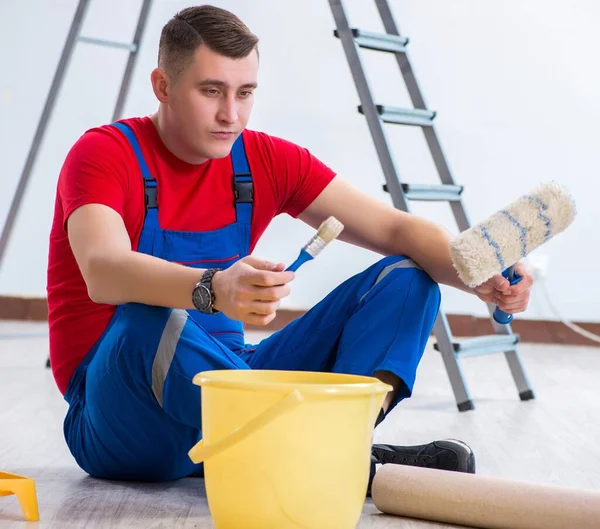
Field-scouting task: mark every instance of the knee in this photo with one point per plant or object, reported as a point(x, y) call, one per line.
point(401, 272)
point(392, 260)
point(395, 263)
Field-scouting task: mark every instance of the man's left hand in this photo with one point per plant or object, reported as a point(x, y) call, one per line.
point(512, 299)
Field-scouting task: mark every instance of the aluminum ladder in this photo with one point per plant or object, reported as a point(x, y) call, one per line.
point(73, 37)
point(352, 39)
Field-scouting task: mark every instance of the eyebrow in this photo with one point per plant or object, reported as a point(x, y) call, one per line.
point(216, 82)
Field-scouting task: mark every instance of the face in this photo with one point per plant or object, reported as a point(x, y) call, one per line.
point(208, 105)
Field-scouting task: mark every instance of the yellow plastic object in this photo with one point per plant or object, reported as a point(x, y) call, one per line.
point(24, 489)
point(286, 449)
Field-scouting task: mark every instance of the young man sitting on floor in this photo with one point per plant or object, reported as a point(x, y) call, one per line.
point(151, 276)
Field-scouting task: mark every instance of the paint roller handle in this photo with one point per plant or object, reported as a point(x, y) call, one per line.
point(501, 317)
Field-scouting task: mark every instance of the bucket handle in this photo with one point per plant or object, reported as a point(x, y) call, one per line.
point(202, 451)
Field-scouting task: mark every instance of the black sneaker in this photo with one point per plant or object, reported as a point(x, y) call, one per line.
point(448, 454)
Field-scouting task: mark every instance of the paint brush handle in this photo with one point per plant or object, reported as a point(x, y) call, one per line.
point(301, 259)
point(501, 317)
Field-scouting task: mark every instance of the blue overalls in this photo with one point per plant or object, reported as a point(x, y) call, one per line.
point(133, 410)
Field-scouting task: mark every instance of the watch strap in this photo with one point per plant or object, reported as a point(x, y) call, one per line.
point(206, 280)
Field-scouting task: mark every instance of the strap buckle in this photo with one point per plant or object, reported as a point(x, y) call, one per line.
point(244, 192)
point(151, 193)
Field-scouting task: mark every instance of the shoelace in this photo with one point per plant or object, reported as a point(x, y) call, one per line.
point(422, 461)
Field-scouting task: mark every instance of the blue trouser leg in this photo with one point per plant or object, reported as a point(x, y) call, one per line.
point(133, 410)
point(378, 320)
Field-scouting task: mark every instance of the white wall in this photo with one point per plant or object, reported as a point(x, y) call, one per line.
point(515, 84)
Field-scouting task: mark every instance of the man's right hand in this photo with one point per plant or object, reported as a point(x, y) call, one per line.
point(251, 290)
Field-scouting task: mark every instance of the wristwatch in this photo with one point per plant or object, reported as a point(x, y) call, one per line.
point(203, 295)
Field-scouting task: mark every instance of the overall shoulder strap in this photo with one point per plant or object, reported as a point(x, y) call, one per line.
point(243, 187)
point(150, 189)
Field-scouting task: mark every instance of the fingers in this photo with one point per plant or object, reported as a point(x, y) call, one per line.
point(256, 312)
point(259, 264)
point(260, 278)
point(262, 312)
point(259, 319)
point(500, 285)
point(518, 291)
point(524, 284)
point(521, 287)
point(264, 308)
point(512, 307)
point(251, 290)
point(499, 282)
point(261, 273)
point(269, 293)
point(516, 298)
point(512, 310)
point(260, 304)
point(510, 298)
point(523, 270)
point(251, 294)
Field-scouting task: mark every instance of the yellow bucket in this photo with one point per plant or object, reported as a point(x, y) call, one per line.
point(286, 449)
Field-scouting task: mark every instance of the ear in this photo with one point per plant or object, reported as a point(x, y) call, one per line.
point(160, 85)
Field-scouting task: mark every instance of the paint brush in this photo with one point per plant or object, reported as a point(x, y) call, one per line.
point(327, 232)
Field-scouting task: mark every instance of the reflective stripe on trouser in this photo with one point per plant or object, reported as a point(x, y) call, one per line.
point(126, 418)
point(143, 411)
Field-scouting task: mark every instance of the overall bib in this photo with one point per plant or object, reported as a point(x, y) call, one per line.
point(133, 410)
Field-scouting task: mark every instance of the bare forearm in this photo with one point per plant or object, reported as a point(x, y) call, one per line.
point(131, 277)
point(428, 244)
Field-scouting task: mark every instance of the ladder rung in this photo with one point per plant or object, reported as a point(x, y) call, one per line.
point(432, 193)
point(378, 41)
point(108, 43)
point(496, 343)
point(404, 116)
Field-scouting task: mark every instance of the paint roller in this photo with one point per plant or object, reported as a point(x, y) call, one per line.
point(497, 244)
point(482, 501)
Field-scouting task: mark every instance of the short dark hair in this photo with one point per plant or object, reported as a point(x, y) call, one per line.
point(219, 29)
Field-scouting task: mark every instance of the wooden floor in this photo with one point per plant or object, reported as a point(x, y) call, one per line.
point(554, 439)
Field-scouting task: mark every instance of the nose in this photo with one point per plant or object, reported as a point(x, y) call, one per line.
point(228, 112)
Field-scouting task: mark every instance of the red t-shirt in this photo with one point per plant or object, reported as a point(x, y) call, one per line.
point(102, 168)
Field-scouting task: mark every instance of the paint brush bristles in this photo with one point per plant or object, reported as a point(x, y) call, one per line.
point(327, 232)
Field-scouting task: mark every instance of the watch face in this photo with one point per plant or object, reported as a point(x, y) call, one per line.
point(202, 297)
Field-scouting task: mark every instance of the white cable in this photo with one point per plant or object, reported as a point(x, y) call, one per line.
point(574, 327)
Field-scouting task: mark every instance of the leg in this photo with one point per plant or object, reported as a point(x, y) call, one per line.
point(134, 412)
point(376, 323)
point(391, 380)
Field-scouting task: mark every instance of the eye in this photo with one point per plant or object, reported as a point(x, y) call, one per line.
point(245, 93)
point(210, 91)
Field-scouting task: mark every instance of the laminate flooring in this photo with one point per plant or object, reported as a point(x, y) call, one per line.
point(554, 439)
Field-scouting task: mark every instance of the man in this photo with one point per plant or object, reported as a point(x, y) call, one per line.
point(150, 277)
